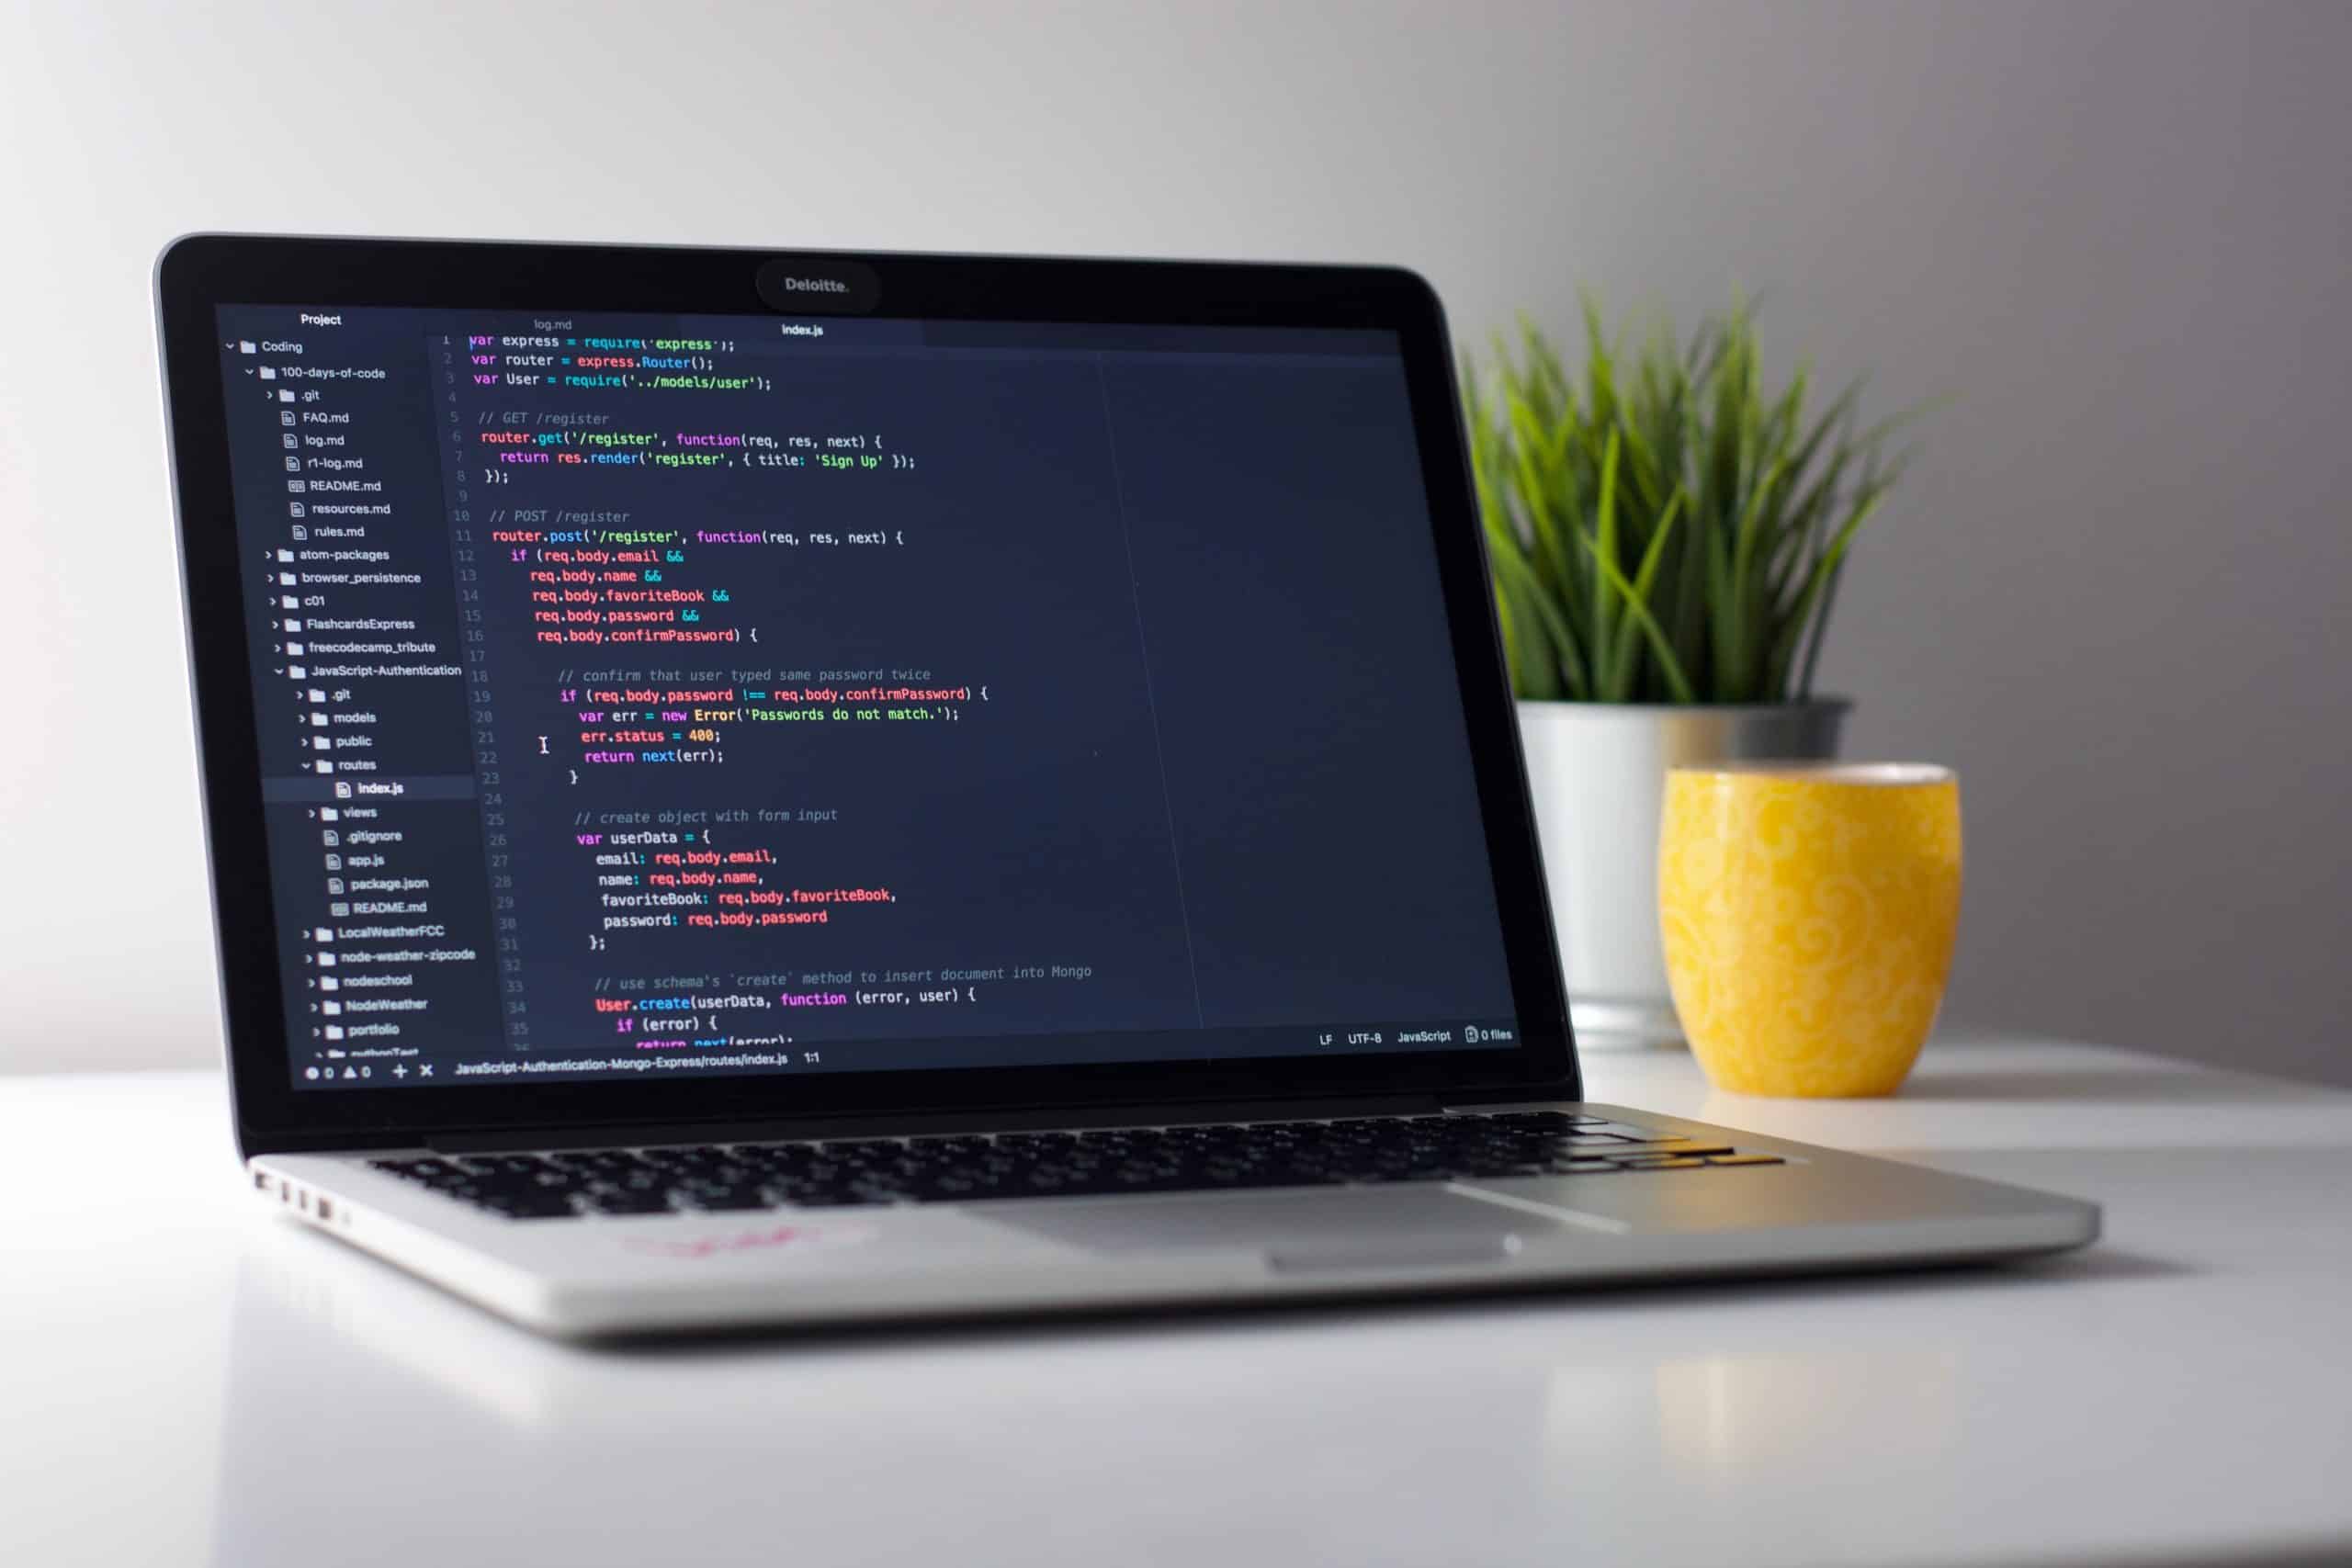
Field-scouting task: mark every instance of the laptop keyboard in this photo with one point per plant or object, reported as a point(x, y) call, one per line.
point(975, 1167)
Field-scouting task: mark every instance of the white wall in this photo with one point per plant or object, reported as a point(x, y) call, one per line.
point(2115, 592)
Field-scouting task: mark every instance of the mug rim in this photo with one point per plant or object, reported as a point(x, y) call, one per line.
point(1862, 775)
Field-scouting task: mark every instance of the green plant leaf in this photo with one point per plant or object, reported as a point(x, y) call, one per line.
point(1660, 524)
point(1604, 548)
point(1639, 597)
point(1565, 669)
point(1530, 447)
point(1744, 607)
point(1817, 582)
point(1667, 666)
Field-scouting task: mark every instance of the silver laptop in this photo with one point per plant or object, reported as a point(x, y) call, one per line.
point(754, 788)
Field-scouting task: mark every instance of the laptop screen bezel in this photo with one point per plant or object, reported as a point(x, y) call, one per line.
point(197, 274)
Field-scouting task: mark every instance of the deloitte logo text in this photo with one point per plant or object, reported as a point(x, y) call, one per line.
point(830, 286)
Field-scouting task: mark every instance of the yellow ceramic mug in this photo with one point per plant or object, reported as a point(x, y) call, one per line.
point(1808, 913)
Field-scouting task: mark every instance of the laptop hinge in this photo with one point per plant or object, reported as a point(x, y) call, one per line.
point(1479, 1100)
point(638, 1134)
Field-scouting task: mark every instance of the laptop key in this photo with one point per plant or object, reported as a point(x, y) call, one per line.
point(434, 1171)
point(629, 1201)
point(734, 1198)
point(501, 1164)
point(519, 1205)
point(603, 1163)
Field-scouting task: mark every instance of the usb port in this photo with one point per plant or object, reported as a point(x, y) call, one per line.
point(327, 1209)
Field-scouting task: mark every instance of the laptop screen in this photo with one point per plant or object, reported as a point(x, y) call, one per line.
point(702, 695)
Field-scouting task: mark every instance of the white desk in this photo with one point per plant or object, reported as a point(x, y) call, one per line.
point(185, 1379)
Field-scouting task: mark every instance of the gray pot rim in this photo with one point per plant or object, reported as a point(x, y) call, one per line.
point(1564, 704)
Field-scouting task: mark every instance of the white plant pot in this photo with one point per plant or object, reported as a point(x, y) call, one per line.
point(1597, 771)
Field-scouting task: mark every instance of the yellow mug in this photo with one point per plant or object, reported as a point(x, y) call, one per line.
point(1808, 912)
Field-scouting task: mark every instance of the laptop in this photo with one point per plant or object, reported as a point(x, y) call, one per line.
point(755, 788)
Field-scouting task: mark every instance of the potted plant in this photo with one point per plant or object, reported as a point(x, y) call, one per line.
point(1667, 541)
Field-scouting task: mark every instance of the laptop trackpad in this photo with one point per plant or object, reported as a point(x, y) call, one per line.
point(1397, 1227)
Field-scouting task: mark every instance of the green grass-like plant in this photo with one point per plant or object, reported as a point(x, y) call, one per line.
point(1664, 532)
